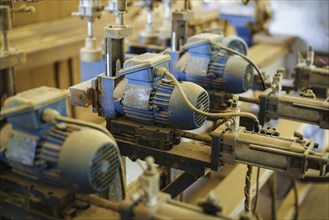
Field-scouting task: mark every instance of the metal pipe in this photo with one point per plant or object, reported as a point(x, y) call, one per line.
point(121, 6)
point(275, 143)
point(119, 19)
point(108, 65)
point(173, 41)
point(90, 29)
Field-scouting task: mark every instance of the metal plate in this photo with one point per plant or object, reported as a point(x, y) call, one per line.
point(197, 66)
point(21, 149)
point(137, 96)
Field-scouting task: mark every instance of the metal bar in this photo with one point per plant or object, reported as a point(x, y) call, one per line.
point(215, 153)
point(149, 18)
point(265, 145)
point(119, 19)
point(198, 137)
point(5, 42)
point(315, 108)
point(181, 183)
point(173, 41)
point(90, 29)
point(184, 156)
point(277, 151)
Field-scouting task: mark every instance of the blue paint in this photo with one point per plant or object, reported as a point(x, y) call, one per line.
point(89, 70)
point(240, 24)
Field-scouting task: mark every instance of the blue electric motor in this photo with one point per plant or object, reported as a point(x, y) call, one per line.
point(65, 154)
point(138, 93)
point(210, 68)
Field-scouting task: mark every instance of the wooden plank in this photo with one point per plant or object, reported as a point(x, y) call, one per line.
point(286, 209)
point(63, 78)
point(45, 10)
point(264, 54)
point(23, 80)
point(75, 70)
point(315, 210)
point(274, 39)
point(231, 190)
point(87, 115)
point(40, 76)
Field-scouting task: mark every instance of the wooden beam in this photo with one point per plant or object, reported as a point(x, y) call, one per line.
point(287, 208)
point(230, 192)
point(264, 54)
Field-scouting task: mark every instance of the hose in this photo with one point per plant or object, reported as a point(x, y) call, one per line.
point(163, 71)
point(220, 46)
point(52, 116)
point(83, 124)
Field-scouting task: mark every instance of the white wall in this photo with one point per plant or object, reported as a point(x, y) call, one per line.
point(307, 19)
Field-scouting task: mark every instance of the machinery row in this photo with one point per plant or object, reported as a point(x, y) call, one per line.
point(153, 96)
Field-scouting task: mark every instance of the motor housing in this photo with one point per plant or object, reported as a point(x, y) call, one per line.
point(68, 155)
point(149, 99)
point(211, 68)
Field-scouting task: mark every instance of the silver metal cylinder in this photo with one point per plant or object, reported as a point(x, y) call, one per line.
point(173, 41)
point(119, 18)
point(90, 29)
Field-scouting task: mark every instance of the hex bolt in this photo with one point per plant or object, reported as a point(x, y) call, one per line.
point(235, 101)
point(149, 162)
point(299, 135)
